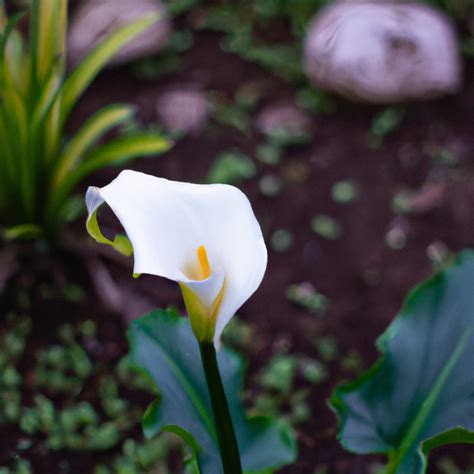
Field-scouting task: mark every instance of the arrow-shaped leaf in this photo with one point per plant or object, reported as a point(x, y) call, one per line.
point(420, 395)
point(162, 344)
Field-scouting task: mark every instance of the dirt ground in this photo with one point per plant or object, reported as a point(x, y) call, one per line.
point(362, 276)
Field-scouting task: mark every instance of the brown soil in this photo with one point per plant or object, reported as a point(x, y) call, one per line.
point(365, 279)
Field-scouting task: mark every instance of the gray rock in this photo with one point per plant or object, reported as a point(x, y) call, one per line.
point(183, 110)
point(283, 117)
point(383, 52)
point(95, 20)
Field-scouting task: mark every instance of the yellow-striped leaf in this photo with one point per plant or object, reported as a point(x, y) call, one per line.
point(91, 131)
point(46, 98)
point(48, 19)
point(95, 61)
point(122, 149)
point(116, 152)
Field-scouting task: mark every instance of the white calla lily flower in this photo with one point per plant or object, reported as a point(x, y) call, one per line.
point(203, 236)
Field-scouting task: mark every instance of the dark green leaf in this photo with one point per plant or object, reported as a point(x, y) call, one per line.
point(420, 395)
point(162, 344)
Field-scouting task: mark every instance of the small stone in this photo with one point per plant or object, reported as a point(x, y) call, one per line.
point(183, 111)
point(438, 252)
point(397, 233)
point(94, 21)
point(396, 238)
point(284, 121)
point(383, 52)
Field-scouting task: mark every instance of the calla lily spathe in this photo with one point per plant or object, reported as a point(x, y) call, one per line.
point(205, 237)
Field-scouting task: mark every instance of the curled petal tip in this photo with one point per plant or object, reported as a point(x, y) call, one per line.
point(93, 199)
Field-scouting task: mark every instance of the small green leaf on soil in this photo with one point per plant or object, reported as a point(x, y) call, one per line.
point(73, 293)
point(281, 240)
point(304, 294)
point(344, 192)
point(326, 227)
point(279, 374)
point(313, 370)
point(352, 362)
point(270, 185)
point(384, 123)
point(446, 157)
point(269, 153)
point(232, 116)
point(327, 348)
point(401, 203)
point(231, 168)
point(238, 334)
point(316, 101)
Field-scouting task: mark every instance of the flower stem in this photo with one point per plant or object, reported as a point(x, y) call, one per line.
point(225, 429)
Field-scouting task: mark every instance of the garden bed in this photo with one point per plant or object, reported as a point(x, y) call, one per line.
point(363, 265)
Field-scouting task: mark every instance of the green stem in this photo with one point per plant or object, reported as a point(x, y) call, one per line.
point(223, 421)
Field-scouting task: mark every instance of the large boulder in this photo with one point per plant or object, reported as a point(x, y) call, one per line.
point(94, 20)
point(383, 52)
